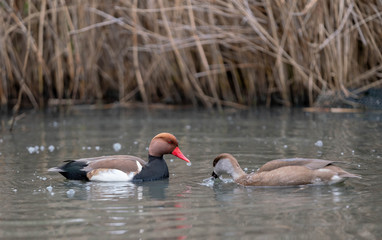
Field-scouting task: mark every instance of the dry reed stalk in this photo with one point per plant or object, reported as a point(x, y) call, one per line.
point(135, 57)
point(28, 42)
point(203, 56)
point(8, 56)
point(59, 73)
point(40, 52)
point(283, 85)
point(182, 65)
point(208, 53)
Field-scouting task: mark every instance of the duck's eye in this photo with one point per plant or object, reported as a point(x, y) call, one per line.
point(170, 142)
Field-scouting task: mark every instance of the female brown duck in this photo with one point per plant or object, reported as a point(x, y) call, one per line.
point(282, 172)
point(125, 167)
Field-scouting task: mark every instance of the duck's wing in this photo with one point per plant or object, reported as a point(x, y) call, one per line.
point(306, 162)
point(86, 168)
point(125, 163)
point(282, 176)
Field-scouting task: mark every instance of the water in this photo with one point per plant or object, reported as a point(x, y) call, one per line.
point(189, 205)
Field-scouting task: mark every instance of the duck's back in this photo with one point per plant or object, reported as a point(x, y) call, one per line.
point(305, 162)
point(282, 176)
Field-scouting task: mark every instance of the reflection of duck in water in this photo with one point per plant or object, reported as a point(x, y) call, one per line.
point(282, 172)
point(125, 167)
point(154, 190)
point(113, 190)
point(138, 190)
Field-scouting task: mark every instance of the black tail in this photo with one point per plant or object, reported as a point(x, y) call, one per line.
point(72, 170)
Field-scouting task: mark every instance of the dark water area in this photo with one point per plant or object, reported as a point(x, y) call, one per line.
point(36, 204)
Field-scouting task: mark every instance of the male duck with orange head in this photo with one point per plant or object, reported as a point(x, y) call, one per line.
point(125, 167)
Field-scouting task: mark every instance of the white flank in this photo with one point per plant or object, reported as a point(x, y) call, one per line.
point(139, 166)
point(336, 179)
point(112, 175)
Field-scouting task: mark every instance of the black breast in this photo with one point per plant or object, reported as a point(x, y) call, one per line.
point(155, 169)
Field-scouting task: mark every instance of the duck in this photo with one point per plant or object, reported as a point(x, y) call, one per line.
point(282, 172)
point(125, 167)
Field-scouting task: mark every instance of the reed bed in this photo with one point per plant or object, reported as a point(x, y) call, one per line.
point(214, 53)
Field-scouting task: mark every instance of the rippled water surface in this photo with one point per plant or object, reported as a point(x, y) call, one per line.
point(189, 205)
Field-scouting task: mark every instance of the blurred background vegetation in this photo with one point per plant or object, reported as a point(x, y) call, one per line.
point(214, 53)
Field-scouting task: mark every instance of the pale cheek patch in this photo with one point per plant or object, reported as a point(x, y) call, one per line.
point(110, 175)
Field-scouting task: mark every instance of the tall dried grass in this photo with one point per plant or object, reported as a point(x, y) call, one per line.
point(212, 53)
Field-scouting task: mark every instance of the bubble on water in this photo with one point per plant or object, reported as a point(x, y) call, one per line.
point(49, 188)
point(189, 164)
point(14, 189)
point(42, 148)
point(33, 149)
point(30, 149)
point(89, 148)
point(83, 147)
point(70, 193)
point(245, 169)
point(319, 143)
point(117, 147)
point(285, 146)
point(342, 153)
point(171, 160)
point(97, 148)
point(87, 188)
point(1, 140)
point(188, 127)
point(135, 142)
point(147, 148)
point(55, 124)
point(51, 148)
